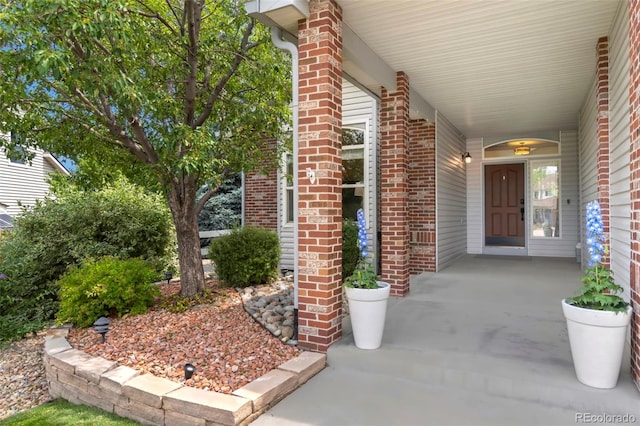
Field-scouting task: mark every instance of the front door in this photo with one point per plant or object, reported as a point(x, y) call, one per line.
point(504, 205)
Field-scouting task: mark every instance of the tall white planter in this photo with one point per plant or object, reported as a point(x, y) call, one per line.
point(367, 310)
point(597, 341)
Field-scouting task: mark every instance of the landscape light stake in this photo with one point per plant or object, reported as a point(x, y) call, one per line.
point(189, 369)
point(101, 326)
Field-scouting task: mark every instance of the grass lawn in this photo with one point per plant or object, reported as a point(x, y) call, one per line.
point(61, 412)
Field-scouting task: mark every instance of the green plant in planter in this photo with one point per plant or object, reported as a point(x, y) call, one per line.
point(599, 291)
point(364, 275)
point(350, 249)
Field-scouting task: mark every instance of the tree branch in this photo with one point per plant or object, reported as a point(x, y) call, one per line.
point(237, 60)
point(207, 195)
point(86, 102)
point(102, 47)
point(193, 12)
point(155, 15)
point(76, 47)
point(138, 130)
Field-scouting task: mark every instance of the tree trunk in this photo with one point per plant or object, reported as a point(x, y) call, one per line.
point(182, 203)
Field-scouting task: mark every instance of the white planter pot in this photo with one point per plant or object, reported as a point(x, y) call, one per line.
point(367, 310)
point(597, 341)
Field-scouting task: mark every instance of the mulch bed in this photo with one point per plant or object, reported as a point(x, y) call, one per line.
point(228, 348)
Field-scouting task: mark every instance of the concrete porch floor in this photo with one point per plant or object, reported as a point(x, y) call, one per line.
point(483, 342)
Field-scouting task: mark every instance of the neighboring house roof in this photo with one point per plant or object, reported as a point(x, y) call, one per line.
point(23, 183)
point(55, 163)
point(6, 222)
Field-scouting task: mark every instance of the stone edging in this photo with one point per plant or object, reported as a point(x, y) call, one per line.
point(82, 379)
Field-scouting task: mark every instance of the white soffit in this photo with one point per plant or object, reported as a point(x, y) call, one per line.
point(491, 67)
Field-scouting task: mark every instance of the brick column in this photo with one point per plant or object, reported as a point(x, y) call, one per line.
point(320, 153)
point(422, 196)
point(261, 197)
point(602, 155)
point(394, 186)
point(634, 100)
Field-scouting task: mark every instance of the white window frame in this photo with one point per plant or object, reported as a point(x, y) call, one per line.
point(285, 188)
point(361, 124)
point(17, 163)
point(533, 164)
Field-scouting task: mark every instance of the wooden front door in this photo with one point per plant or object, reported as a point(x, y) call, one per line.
point(504, 205)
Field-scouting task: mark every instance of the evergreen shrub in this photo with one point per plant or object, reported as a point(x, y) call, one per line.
point(246, 256)
point(120, 220)
point(106, 287)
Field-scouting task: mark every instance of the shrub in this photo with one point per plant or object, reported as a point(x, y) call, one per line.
point(120, 220)
point(246, 256)
point(27, 301)
point(106, 287)
point(224, 209)
point(350, 251)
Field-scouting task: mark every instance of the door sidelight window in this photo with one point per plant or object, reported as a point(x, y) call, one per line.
point(545, 198)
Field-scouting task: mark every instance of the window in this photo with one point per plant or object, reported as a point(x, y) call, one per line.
point(354, 169)
point(288, 188)
point(17, 154)
point(545, 194)
point(522, 148)
point(354, 174)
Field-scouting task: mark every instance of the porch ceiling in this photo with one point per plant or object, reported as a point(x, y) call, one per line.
point(492, 67)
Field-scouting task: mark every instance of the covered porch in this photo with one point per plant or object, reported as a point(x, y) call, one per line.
point(483, 341)
point(452, 81)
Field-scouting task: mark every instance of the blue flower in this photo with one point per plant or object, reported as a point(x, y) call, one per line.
point(362, 233)
point(595, 233)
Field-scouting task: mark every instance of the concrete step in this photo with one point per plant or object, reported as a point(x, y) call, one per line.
point(356, 398)
point(551, 384)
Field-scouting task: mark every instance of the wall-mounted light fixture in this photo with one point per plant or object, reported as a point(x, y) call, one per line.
point(466, 157)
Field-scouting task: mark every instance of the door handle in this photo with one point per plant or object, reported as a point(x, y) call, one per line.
point(522, 214)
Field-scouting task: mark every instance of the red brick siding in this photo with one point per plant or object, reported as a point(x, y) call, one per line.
point(261, 198)
point(634, 100)
point(422, 196)
point(602, 154)
point(394, 186)
point(320, 203)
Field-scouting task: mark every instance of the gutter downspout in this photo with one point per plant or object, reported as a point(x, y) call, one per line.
point(276, 37)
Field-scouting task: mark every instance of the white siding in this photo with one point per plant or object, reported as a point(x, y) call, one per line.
point(475, 191)
point(619, 156)
point(23, 183)
point(587, 144)
point(358, 106)
point(565, 245)
point(451, 204)
point(285, 230)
